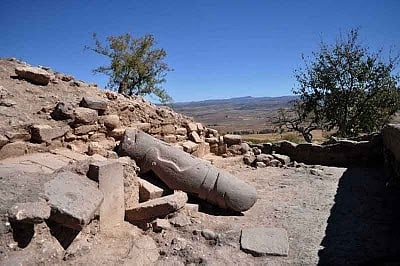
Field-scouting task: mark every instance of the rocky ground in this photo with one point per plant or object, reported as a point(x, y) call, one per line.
point(333, 216)
point(57, 133)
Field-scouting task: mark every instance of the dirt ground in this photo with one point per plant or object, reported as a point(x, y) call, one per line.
point(333, 216)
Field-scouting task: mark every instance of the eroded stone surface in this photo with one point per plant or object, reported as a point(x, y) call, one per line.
point(261, 241)
point(74, 199)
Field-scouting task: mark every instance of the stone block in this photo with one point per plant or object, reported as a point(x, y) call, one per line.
point(85, 129)
point(110, 121)
point(29, 212)
point(13, 149)
point(168, 129)
point(190, 146)
point(200, 127)
point(231, 139)
point(159, 207)
point(3, 141)
point(111, 183)
point(180, 138)
point(261, 241)
point(73, 199)
point(34, 75)
point(148, 191)
point(84, 116)
point(170, 138)
point(181, 131)
point(202, 150)
point(94, 103)
point(117, 133)
point(160, 224)
point(284, 159)
point(145, 127)
point(191, 127)
point(46, 133)
point(62, 111)
point(195, 137)
point(212, 140)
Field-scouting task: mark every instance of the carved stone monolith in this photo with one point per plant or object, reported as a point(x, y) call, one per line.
point(182, 171)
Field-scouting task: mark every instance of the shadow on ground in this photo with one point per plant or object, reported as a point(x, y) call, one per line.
point(363, 227)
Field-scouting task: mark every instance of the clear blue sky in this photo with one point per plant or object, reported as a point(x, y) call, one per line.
point(217, 48)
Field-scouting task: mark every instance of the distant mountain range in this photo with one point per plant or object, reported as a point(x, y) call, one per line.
point(242, 113)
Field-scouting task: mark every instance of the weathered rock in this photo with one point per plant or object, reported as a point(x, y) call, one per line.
point(168, 129)
point(73, 199)
point(235, 149)
point(222, 148)
point(3, 141)
point(212, 140)
point(181, 131)
point(85, 129)
point(200, 127)
point(62, 111)
point(84, 116)
point(275, 163)
point(110, 176)
point(260, 165)
point(263, 158)
point(141, 126)
point(18, 136)
point(195, 137)
point(148, 191)
point(117, 133)
point(13, 149)
point(191, 127)
point(262, 241)
point(202, 150)
point(189, 146)
point(212, 132)
point(256, 151)
point(29, 212)
point(267, 148)
point(180, 220)
point(231, 139)
point(110, 121)
point(34, 75)
point(284, 159)
point(249, 158)
point(180, 171)
point(98, 104)
point(170, 138)
point(209, 234)
point(46, 133)
point(161, 224)
point(159, 207)
point(244, 148)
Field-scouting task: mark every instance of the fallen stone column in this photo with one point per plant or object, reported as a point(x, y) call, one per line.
point(181, 171)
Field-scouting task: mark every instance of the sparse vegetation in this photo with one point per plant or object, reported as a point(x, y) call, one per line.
point(136, 68)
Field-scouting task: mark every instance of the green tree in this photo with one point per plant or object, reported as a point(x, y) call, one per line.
point(347, 88)
point(136, 68)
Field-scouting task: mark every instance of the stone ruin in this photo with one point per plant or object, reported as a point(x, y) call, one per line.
point(104, 155)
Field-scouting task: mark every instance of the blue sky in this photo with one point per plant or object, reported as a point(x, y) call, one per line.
point(217, 48)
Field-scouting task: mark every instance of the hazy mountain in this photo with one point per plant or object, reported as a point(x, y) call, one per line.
point(242, 113)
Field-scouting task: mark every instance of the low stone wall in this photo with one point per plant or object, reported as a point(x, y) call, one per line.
point(344, 153)
point(391, 141)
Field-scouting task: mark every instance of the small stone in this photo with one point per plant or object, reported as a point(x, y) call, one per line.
point(46, 133)
point(212, 140)
point(62, 111)
point(256, 151)
point(285, 160)
point(275, 163)
point(249, 158)
point(209, 234)
point(200, 127)
point(170, 138)
point(181, 131)
point(98, 104)
point(191, 127)
point(180, 220)
point(260, 165)
point(85, 129)
point(316, 172)
point(261, 241)
point(244, 148)
point(85, 116)
point(148, 191)
point(168, 129)
point(110, 121)
point(161, 224)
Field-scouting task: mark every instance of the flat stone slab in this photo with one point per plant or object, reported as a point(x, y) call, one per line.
point(159, 207)
point(74, 199)
point(29, 212)
point(261, 241)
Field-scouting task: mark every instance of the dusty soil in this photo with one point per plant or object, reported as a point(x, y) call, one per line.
point(336, 216)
